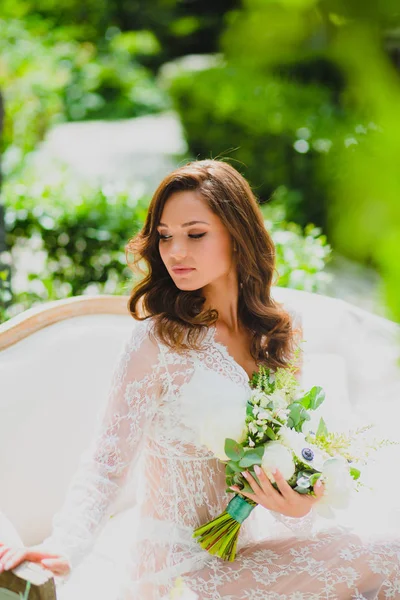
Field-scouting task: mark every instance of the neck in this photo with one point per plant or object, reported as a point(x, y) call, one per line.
point(223, 296)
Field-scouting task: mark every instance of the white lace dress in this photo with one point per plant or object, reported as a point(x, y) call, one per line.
point(160, 405)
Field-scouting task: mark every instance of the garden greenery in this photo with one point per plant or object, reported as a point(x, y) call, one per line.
point(67, 237)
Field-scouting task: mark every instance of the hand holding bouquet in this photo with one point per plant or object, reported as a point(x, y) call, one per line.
point(276, 458)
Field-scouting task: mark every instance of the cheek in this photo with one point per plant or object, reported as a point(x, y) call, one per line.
point(216, 254)
point(163, 250)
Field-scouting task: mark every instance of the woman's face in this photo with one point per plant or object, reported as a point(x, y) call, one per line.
point(194, 245)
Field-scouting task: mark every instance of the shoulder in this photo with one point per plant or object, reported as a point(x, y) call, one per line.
point(142, 335)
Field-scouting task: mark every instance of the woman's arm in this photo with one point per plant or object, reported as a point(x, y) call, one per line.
point(132, 402)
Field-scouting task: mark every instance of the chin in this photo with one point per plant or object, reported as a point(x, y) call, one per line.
point(186, 287)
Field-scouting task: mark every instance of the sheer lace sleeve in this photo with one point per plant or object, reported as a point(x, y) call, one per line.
point(299, 526)
point(132, 401)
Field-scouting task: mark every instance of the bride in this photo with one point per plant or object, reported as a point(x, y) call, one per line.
point(206, 321)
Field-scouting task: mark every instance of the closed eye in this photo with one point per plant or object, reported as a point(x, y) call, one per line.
point(197, 236)
point(193, 236)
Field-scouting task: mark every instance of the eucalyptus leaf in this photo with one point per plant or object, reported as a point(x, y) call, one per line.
point(233, 450)
point(234, 466)
point(253, 456)
point(301, 490)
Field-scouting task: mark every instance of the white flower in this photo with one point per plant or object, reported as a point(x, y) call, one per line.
point(264, 414)
point(277, 456)
point(306, 453)
point(214, 430)
point(252, 428)
point(278, 398)
point(338, 483)
point(282, 414)
point(260, 398)
point(211, 418)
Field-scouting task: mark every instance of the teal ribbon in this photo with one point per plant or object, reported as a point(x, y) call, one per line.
point(239, 509)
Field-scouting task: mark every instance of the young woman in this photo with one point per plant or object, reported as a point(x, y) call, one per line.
point(207, 320)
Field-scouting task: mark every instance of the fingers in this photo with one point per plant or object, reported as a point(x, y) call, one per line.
point(287, 492)
point(252, 483)
point(3, 550)
point(13, 557)
point(265, 482)
point(56, 565)
point(319, 490)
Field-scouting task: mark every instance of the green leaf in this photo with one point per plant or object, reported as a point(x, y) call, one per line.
point(304, 401)
point(297, 416)
point(233, 450)
point(312, 399)
point(249, 409)
point(314, 478)
point(246, 488)
point(234, 466)
point(355, 473)
point(317, 396)
point(294, 413)
point(271, 434)
point(301, 490)
point(252, 457)
point(322, 428)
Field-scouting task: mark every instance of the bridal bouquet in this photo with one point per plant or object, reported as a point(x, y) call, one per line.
point(276, 433)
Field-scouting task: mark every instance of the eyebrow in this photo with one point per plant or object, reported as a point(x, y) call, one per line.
point(185, 224)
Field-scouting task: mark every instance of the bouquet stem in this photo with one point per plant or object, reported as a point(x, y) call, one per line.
point(220, 536)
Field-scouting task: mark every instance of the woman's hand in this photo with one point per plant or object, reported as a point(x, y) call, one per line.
point(11, 557)
point(285, 501)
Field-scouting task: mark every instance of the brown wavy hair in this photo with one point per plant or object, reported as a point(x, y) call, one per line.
point(180, 317)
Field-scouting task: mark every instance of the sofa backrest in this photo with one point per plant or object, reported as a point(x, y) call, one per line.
point(55, 370)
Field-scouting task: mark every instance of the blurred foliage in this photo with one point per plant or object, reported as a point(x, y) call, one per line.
point(67, 238)
point(181, 26)
point(47, 79)
point(307, 98)
point(277, 129)
point(301, 254)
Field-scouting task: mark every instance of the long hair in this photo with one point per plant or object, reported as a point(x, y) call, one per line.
point(181, 319)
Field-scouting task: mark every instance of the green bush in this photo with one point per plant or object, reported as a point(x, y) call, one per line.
point(275, 128)
point(47, 79)
point(67, 238)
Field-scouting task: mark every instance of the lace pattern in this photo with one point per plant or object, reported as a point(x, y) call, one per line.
point(158, 402)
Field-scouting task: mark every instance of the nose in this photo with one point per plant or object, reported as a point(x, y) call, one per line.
point(178, 250)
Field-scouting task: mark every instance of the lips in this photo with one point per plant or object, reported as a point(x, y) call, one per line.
point(182, 270)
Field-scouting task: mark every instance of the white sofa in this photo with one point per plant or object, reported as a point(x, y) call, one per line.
point(56, 363)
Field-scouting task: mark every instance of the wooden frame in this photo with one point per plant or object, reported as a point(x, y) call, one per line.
point(38, 317)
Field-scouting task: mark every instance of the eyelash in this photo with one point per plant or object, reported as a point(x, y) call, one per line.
point(193, 236)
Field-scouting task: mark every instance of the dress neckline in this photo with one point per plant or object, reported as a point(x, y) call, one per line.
point(228, 356)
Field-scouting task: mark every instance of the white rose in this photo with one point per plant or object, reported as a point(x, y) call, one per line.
point(304, 451)
point(230, 424)
point(338, 483)
point(277, 456)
